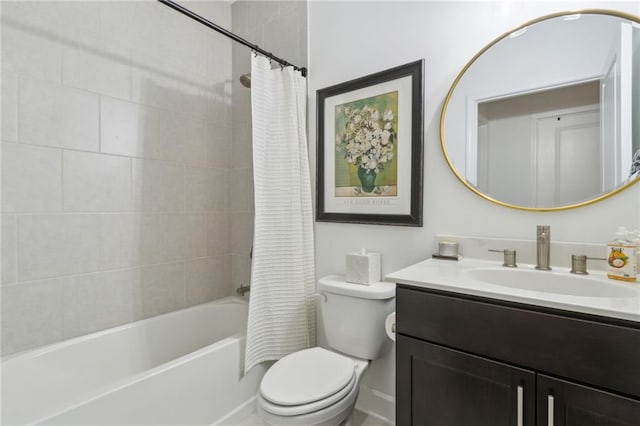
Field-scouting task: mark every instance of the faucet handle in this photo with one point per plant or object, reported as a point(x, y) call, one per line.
point(509, 257)
point(579, 263)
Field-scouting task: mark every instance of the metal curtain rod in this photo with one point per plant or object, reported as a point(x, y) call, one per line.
point(234, 37)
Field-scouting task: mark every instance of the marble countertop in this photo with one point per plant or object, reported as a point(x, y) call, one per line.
point(453, 276)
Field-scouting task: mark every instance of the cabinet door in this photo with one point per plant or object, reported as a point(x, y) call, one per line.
point(437, 386)
point(562, 403)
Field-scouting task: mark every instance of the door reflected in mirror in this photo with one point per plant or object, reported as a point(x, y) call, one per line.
point(551, 112)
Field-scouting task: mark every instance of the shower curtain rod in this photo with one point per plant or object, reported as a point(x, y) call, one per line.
point(234, 37)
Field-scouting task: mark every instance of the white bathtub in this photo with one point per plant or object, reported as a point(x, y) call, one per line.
point(181, 368)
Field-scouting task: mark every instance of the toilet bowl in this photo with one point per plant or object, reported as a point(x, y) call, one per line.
point(318, 386)
point(312, 387)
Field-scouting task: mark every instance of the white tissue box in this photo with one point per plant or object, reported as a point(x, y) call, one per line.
point(363, 268)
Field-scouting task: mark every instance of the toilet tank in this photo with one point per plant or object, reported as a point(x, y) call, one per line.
point(353, 315)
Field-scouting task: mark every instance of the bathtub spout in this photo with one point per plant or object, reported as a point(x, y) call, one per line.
point(243, 289)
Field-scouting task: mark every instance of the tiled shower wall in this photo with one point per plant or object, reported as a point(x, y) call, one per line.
point(279, 27)
point(119, 176)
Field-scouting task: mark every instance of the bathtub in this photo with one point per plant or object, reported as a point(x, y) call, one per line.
point(181, 368)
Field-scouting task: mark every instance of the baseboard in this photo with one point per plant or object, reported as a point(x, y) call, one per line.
point(377, 404)
point(239, 413)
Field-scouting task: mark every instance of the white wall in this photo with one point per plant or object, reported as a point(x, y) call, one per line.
point(352, 39)
point(115, 116)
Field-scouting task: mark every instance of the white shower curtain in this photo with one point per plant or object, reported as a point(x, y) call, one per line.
point(281, 304)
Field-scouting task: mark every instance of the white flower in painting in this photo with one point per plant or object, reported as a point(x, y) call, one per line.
point(368, 138)
point(384, 139)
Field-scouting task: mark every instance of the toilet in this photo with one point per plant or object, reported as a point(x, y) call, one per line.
point(318, 386)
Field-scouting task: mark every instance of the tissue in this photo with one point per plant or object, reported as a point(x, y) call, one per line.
point(363, 267)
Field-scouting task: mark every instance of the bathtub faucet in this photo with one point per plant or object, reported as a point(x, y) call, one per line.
point(243, 289)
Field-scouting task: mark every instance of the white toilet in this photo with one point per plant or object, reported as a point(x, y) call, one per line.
point(317, 386)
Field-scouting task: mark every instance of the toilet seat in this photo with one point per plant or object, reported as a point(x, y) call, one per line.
point(307, 381)
point(296, 410)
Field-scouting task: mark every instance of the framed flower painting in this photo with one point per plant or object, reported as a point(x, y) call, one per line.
point(370, 154)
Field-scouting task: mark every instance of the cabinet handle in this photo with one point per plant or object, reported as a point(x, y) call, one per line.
point(520, 399)
point(550, 410)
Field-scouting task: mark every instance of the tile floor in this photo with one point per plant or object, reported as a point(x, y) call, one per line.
point(357, 419)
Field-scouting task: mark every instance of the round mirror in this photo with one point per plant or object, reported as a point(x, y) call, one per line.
point(547, 117)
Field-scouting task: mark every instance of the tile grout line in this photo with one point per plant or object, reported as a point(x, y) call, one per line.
point(100, 124)
point(121, 269)
point(61, 284)
point(18, 84)
point(62, 210)
point(16, 245)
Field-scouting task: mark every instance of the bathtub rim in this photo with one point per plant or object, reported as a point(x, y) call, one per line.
point(143, 375)
point(34, 352)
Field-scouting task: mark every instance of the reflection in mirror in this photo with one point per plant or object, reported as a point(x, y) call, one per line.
point(551, 112)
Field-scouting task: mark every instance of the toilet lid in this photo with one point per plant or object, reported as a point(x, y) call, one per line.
point(306, 376)
point(312, 407)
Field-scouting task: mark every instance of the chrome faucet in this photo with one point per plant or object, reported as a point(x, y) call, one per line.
point(543, 247)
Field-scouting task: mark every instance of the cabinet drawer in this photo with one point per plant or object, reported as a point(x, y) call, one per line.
point(591, 352)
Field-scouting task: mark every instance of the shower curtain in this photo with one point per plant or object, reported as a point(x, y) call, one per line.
point(282, 303)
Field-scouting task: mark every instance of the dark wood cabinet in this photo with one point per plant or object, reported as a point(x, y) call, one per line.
point(468, 361)
point(571, 404)
point(449, 387)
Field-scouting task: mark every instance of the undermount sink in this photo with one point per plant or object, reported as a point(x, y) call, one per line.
point(550, 282)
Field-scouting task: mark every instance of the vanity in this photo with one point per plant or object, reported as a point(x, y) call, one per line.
point(529, 123)
point(473, 349)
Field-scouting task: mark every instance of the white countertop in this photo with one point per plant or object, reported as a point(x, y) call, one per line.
point(450, 275)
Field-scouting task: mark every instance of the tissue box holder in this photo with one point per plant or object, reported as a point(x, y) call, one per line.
point(363, 268)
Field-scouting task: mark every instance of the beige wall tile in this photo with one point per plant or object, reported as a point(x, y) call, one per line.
point(58, 116)
point(158, 185)
point(152, 133)
point(128, 240)
point(238, 189)
point(31, 315)
point(9, 249)
point(242, 234)
point(242, 147)
point(219, 146)
point(31, 39)
point(122, 129)
point(96, 63)
point(31, 178)
point(218, 234)
point(180, 236)
point(207, 279)
point(240, 271)
point(96, 182)
point(9, 108)
point(56, 245)
point(193, 232)
point(162, 289)
point(206, 190)
point(285, 44)
point(98, 301)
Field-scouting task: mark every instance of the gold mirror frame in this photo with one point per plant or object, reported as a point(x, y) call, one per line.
point(614, 13)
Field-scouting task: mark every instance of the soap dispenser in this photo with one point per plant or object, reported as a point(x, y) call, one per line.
point(621, 258)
